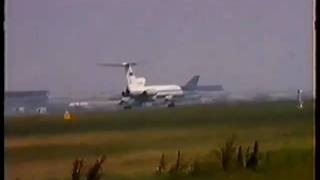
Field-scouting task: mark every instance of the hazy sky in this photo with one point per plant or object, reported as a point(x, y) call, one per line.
point(244, 45)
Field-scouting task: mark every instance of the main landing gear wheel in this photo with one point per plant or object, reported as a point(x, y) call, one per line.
point(127, 107)
point(171, 104)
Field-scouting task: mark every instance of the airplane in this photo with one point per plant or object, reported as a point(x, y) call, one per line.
point(137, 93)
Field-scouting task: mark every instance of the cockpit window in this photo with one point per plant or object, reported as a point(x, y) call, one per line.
point(130, 73)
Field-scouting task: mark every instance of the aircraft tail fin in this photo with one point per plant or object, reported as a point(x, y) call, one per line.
point(192, 84)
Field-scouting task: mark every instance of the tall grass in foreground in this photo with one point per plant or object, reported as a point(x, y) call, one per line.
point(229, 159)
point(94, 172)
point(161, 168)
point(226, 154)
point(226, 157)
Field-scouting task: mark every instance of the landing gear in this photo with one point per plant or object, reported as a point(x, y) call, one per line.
point(171, 104)
point(127, 107)
point(124, 103)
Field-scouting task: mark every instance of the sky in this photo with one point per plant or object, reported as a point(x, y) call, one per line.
point(245, 45)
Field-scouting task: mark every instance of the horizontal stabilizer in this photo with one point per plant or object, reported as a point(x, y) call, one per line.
point(124, 64)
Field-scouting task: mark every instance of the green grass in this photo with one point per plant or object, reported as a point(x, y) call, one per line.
point(236, 115)
point(43, 147)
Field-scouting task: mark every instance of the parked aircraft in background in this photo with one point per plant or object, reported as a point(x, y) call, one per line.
point(192, 85)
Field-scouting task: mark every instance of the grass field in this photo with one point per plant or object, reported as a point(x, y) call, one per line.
point(43, 147)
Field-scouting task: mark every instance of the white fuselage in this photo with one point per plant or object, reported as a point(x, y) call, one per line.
point(137, 87)
point(157, 90)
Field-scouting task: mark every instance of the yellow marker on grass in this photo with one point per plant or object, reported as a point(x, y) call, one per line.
point(67, 116)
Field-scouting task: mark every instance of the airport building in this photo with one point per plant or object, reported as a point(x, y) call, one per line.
point(25, 101)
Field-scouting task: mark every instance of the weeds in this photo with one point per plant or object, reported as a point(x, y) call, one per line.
point(175, 169)
point(179, 168)
point(162, 166)
point(94, 172)
point(226, 154)
point(77, 167)
point(194, 168)
point(227, 157)
point(240, 158)
point(252, 161)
